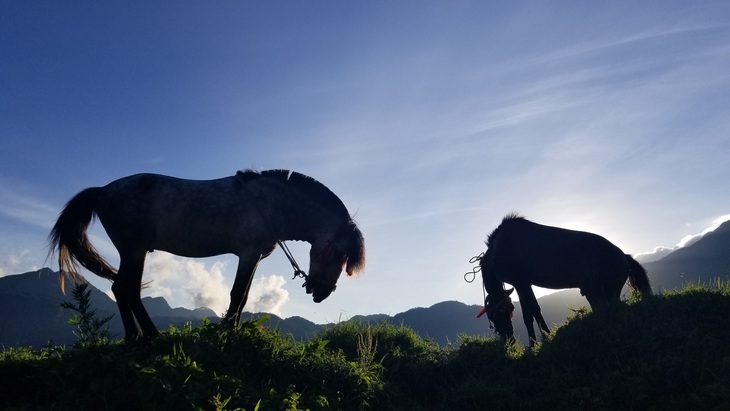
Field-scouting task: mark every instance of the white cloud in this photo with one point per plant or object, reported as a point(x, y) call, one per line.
point(658, 253)
point(186, 282)
point(190, 283)
point(693, 238)
point(267, 295)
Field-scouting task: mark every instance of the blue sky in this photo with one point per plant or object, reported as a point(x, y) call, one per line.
point(430, 120)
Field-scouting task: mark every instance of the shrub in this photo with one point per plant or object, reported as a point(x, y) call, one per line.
point(91, 329)
point(665, 352)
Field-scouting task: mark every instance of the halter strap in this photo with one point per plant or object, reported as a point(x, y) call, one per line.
point(498, 304)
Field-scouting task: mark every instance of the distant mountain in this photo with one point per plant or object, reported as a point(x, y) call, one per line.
point(446, 321)
point(705, 260)
point(30, 312)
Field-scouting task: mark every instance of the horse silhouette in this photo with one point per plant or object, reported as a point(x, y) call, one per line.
point(247, 215)
point(523, 253)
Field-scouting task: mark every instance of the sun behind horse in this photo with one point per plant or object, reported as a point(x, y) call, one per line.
point(246, 215)
point(523, 253)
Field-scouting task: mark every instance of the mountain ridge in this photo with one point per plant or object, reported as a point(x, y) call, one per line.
point(30, 312)
point(704, 260)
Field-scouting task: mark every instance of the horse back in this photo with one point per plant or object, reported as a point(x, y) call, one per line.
point(552, 257)
point(153, 211)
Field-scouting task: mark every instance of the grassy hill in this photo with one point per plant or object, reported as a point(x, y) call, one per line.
point(664, 352)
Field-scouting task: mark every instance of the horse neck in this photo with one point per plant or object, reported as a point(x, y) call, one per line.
point(492, 285)
point(294, 216)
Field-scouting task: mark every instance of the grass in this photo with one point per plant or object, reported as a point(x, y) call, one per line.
point(663, 352)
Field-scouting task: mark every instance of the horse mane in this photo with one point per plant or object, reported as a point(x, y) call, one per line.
point(315, 189)
point(303, 183)
point(511, 217)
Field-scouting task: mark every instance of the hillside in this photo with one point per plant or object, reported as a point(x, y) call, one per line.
point(702, 261)
point(664, 352)
point(30, 314)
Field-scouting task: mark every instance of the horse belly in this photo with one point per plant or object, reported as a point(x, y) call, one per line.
point(197, 249)
point(204, 238)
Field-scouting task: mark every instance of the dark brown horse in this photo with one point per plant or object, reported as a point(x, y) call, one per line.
point(246, 215)
point(523, 253)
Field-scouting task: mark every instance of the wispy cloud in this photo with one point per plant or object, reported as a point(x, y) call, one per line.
point(25, 208)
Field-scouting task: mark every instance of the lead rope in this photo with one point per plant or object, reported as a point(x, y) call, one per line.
point(473, 273)
point(474, 270)
point(298, 272)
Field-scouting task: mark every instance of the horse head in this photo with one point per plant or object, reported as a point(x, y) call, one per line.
point(328, 257)
point(499, 309)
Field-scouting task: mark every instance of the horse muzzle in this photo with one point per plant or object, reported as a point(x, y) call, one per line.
point(319, 289)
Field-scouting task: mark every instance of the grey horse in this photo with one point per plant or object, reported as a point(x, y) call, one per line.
point(247, 215)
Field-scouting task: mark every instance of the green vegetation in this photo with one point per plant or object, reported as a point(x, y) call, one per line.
point(664, 352)
point(92, 330)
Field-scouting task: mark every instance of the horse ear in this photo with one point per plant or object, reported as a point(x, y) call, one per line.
point(509, 292)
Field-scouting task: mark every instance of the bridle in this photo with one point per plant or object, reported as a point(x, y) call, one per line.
point(298, 272)
point(500, 306)
point(470, 276)
point(320, 259)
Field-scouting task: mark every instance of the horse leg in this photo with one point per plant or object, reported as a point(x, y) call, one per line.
point(531, 310)
point(527, 312)
point(247, 265)
point(121, 294)
point(537, 313)
point(600, 298)
point(544, 329)
point(124, 290)
point(140, 313)
point(127, 289)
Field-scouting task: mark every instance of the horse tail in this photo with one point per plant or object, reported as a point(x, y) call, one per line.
point(638, 279)
point(69, 238)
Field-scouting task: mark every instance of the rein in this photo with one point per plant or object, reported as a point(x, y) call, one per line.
point(298, 272)
point(473, 273)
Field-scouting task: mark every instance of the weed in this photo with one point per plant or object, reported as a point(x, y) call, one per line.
point(91, 330)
